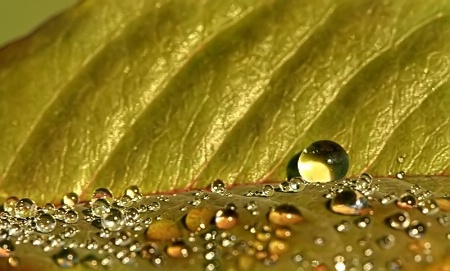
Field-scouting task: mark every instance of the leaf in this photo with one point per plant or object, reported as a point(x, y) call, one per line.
point(172, 94)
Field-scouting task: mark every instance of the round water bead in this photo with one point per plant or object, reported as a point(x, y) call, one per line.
point(177, 249)
point(428, 207)
point(71, 217)
point(268, 190)
point(114, 221)
point(100, 207)
point(70, 199)
point(66, 258)
point(134, 192)
point(218, 186)
point(399, 220)
point(285, 215)
point(226, 219)
point(25, 208)
point(10, 204)
point(45, 223)
point(416, 229)
point(322, 161)
point(350, 202)
point(407, 201)
point(102, 193)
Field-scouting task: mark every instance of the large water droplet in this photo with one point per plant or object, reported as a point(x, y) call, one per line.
point(25, 208)
point(45, 223)
point(114, 220)
point(66, 258)
point(285, 215)
point(102, 193)
point(407, 201)
point(100, 207)
point(322, 161)
point(218, 186)
point(134, 192)
point(350, 202)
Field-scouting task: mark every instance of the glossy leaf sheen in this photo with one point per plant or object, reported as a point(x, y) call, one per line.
point(172, 94)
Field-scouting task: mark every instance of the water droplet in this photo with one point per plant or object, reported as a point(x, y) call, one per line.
point(416, 229)
point(154, 206)
point(123, 238)
point(45, 223)
point(226, 219)
point(13, 261)
point(71, 217)
point(218, 187)
point(428, 207)
point(66, 258)
point(177, 249)
point(399, 221)
point(100, 207)
point(149, 250)
point(199, 219)
point(400, 175)
point(49, 208)
point(296, 185)
point(362, 222)
point(163, 230)
point(386, 241)
point(6, 247)
point(389, 198)
point(407, 201)
point(10, 204)
point(277, 247)
point(25, 208)
point(134, 192)
point(343, 226)
point(114, 220)
point(283, 233)
point(401, 159)
point(70, 199)
point(102, 193)
point(444, 220)
point(285, 215)
point(60, 213)
point(322, 161)
point(350, 202)
point(268, 190)
point(90, 261)
point(339, 263)
point(319, 241)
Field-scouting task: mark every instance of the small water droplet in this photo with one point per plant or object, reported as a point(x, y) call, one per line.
point(90, 261)
point(343, 226)
point(102, 193)
point(134, 192)
point(416, 229)
point(226, 219)
point(45, 223)
point(407, 201)
point(400, 175)
point(386, 241)
point(296, 185)
point(218, 187)
point(394, 265)
point(319, 241)
point(149, 250)
point(66, 258)
point(177, 249)
point(398, 221)
point(123, 238)
point(285, 215)
point(25, 208)
point(114, 220)
point(268, 190)
point(13, 261)
point(389, 198)
point(71, 217)
point(339, 263)
point(362, 222)
point(70, 199)
point(350, 202)
point(10, 204)
point(283, 233)
point(401, 159)
point(322, 161)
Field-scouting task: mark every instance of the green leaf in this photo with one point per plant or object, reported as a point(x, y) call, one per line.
point(172, 94)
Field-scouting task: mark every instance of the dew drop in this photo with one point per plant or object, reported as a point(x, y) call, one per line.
point(66, 258)
point(71, 217)
point(268, 190)
point(10, 204)
point(226, 219)
point(399, 221)
point(177, 249)
point(343, 226)
point(149, 250)
point(283, 233)
point(134, 192)
point(400, 175)
point(114, 220)
point(407, 201)
point(49, 208)
point(362, 222)
point(102, 193)
point(416, 229)
point(100, 207)
point(350, 202)
point(25, 208)
point(386, 241)
point(218, 187)
point(296, 185)
point(322, 161)
point(70, 199)
point(401, 159)
point(45, 223)
point(6, 247)
point(123, 238)
point(285, 215)
point(389, 198)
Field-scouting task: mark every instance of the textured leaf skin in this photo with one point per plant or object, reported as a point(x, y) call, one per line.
point(172, 94)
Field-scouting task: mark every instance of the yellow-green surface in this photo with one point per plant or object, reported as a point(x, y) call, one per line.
point(18, 18)
point(172, 94)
